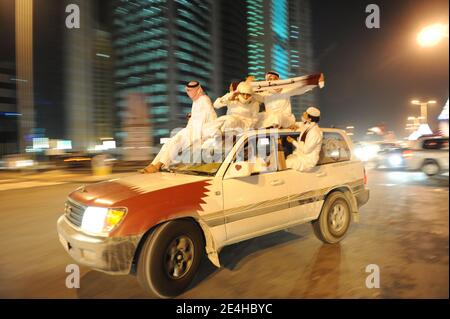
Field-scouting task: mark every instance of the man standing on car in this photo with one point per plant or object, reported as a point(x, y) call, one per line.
point(307, 148)
point(278, 113)
point(202, 113)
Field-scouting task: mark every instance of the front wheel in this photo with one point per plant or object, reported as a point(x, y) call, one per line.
point(334, 219)
point(170, 258)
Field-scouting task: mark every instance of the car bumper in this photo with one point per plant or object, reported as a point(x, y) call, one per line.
point(113, 255)
point(362, 197)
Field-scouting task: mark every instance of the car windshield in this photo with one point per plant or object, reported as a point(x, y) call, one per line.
point(208, 163)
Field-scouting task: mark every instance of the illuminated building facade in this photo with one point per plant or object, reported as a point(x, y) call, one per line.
point(232, 63)
point(159, 47)
point(279, 39)
point(79, 46)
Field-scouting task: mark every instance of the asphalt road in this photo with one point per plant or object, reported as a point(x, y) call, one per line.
point(403, 229)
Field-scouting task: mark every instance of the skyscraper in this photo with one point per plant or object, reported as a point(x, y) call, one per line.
point(79, 48)
point(279, 39)
point(24, 70)
point(232, 64)
point(160, 46)
point(8, 109)
point(103, 72)
point(49, 30)
point(301, 53)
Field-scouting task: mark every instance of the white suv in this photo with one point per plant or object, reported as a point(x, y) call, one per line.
point(159, 225)
point(428, 154)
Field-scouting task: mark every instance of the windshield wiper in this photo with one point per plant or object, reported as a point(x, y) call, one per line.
point(193, 172)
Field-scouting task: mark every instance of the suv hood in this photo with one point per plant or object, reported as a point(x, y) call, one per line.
point(112, 192)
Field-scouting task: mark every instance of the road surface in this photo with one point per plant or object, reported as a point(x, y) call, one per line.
point(403, 230)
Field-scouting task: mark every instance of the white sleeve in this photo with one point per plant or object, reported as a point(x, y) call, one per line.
point(222, 101)
point(207, 113)
point(313, 139)
point(259, 97)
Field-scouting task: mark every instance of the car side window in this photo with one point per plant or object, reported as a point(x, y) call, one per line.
point(435, 144)
point(288, 148)
point(260, 153)
point(334, 149)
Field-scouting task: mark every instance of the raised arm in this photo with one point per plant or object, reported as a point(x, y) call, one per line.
point(222, 101)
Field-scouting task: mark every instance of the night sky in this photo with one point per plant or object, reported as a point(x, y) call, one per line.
point(371, 74)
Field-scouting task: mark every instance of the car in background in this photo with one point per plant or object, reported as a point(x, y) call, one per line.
point(390, 158)
point(17, 162)
point(429, 155)
point(380, 154)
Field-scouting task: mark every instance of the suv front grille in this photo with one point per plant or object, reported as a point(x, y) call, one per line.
point(74, 212)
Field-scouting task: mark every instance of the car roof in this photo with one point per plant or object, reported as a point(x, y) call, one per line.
point(275, 131)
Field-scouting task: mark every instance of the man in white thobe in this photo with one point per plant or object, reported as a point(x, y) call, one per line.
point(242, 112)
point(202, 113)
point(307, 147)
point(278, 113)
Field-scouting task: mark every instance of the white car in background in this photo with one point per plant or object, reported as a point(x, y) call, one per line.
point(158, 226)
point(429, 155)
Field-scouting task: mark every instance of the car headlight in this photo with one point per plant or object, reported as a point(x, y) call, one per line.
point(101, 220)
point(395, 160)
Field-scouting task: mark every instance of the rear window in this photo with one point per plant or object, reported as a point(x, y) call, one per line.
point(334, 149)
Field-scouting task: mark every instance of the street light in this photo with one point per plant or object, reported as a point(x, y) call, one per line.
point(423, 108)
point(432, 35)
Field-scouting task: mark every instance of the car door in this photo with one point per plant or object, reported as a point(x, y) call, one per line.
point(256, 203)
point(304, 188)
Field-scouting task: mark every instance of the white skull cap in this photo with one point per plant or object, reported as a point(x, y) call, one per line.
point(313, 111)
point(245, 88)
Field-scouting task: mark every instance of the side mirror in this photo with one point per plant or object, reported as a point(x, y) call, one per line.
point(238, 169)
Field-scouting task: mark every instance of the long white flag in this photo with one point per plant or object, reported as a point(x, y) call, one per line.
point(307, 82)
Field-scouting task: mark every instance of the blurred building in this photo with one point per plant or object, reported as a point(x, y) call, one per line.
point(78, 64)
point(232, 62)
point(159, 47)
point(279, 39)
point(24, 70)
point(8, 110)
point(301, 53)
point(48, 56)
point(103, 86)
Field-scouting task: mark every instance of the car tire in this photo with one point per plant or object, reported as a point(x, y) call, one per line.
point(170, 258)
point(430, 168)
point(334, 219)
